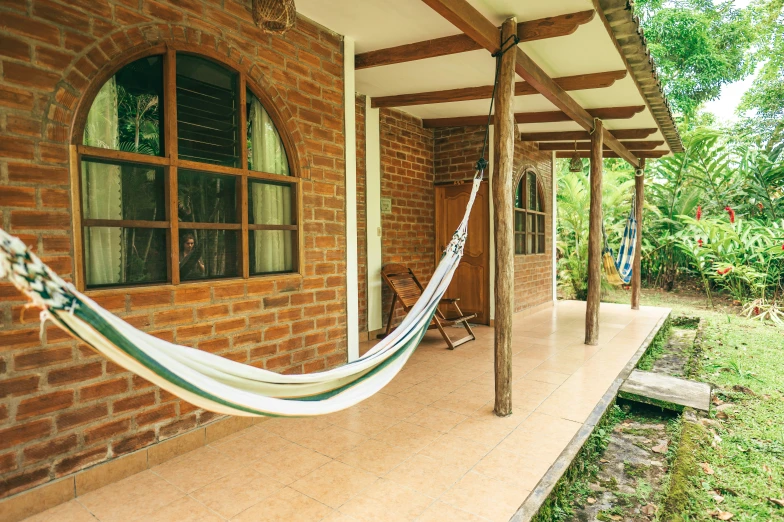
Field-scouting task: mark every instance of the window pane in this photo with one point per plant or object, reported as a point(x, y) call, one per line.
point(208, 254)
point(529, 243)
point(270, 203)
point(207, 120)
point(533, 199)
point(123, 191)
point(265, 148)
point(519, 194)
point(120, 256)
point(125, 114)
point(540, 244)
point(206, 198)
point(519, 221)
point(530, 223)
point(272, 251)
point(519, 243)
point(540, 227)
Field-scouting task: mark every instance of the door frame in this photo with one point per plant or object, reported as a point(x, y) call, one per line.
point(487, 257)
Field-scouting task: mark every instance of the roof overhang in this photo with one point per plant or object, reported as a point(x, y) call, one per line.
point(593, 49)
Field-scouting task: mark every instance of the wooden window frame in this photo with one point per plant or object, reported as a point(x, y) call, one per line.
point(525, 212)
point(171, 164)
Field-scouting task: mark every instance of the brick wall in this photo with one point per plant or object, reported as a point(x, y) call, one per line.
point(361, 216)
point(407, 176)
point(456, 152)
point(62, 406)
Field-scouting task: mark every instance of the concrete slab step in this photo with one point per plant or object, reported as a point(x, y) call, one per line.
point(668, 392)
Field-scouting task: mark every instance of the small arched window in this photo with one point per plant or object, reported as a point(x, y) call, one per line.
point(184, 177)
point(529, 215)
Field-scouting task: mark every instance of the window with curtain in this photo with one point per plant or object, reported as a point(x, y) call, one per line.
point(529, 215)
point(184, 177)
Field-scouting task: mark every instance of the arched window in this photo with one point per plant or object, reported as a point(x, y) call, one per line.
point(529, 216)
point(183, 177)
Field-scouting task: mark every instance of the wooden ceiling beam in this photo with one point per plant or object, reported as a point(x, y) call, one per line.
point(621, 134)
point(542, 28)
point(636, 153)
point(586, 145)
point(466, 18)
point(569, 83)
point(604, 113)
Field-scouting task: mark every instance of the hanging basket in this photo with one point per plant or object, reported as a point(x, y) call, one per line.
point(274, 16)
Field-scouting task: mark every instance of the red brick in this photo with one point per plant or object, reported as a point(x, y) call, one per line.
point(276, 332)
point(170, 317)
point(81, 416)
point(24, 480)
point(214, 345)
point(191, 332)
point(52, 59)
point(11, 47)
point(106, 431)
point(14, 339)
point(79, 373)
point(191, 295)
point(103, 389)
point(43, 404)
point(157, 10)
point(229, 325)
point(8, 463)
point(55, 198)
point(62, 15)
point(80, 461)
point(11, 147)
point(148, 299)
point(29, 219)
point(50, 448)
point(18, 172)
point(133, 403)
point(133, 443)
point(276, 302)
point(212, 312)
point(18, 434)
point(41, 358)
point(156, 415)
point(24, 25)
point(21, 385)
point(28, 76)
point(178, 426)
point(225, 292)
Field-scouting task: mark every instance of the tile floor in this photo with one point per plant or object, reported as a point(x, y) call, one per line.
point(427, 448)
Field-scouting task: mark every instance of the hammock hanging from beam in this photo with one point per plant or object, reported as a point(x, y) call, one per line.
point(216, 383)
point(619, 269)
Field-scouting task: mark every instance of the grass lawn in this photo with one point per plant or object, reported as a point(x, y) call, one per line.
point(738, 466)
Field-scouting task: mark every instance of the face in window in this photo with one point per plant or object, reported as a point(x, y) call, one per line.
point(187, 245)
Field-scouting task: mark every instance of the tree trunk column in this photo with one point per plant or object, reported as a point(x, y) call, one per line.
point(639, 196)
point(503, 191)
point(595, 237)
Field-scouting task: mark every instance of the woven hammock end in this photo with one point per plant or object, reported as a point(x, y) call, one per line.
point(274, 16)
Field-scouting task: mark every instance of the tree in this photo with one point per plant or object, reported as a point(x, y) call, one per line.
point(698, 46)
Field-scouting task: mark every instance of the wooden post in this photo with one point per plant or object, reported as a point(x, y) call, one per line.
point(639, 195)
point(503, 158)
point(595, 237)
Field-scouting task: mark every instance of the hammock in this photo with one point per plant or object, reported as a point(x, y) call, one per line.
point(213, 382)
point(619, 269)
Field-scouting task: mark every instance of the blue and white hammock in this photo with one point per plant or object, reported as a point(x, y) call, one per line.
point(618, 269)
point(213, 382)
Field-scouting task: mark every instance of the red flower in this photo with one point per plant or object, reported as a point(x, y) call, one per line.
point(731, 213)
point(760, 207)
point(699, 242)
point(699, 212)
point(757, 310)
point(782, 247)
point(724, 271)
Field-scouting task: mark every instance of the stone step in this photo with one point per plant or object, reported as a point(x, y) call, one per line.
point(668, 392)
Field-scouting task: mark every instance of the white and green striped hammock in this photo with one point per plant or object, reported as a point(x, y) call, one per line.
point(213, 382)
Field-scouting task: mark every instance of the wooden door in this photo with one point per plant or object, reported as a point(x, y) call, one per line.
point(471, 282)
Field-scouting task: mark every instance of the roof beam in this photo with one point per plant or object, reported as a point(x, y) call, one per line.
point(585, 145)
point(550, 27)
point(621, 134)
point(604, 113)
point(635, 153)
point(466, 18)
point(569, 83)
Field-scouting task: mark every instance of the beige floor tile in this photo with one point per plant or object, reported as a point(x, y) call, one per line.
point(290, 463)
point(423, 393)
point(394, 407)
point(486, 497)
point(182, 510)
point(524, 471)
point(440, 512)
point(332, 441)
point(540, 435)
point(376, 457)
point(436, 419)
point(460, 403)
point(337, 516)
point(294, 429)
point(388, 501)
point(253, 445)
point(547, 376)
point(333, 484)
point(71, 511)
point(455, 451)
point(364, 422)
point(286, 505)
point(488, 429)
point(426, 475)
point(408, 435)
point(198, 468)
point(237, 492)
point(133, 498)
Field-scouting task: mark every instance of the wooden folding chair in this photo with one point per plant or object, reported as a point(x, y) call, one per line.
point(407, 289)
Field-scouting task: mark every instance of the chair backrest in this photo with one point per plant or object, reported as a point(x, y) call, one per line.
point(404, 283)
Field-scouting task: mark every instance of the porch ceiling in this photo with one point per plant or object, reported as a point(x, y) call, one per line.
point(381, 24)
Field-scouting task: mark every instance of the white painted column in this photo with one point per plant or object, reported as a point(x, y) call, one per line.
point(352, 285)
point(554, 206)
point(373, 217)
point(489, 173)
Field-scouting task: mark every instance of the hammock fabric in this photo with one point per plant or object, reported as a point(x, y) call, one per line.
point(619, 270)
point(213, 382)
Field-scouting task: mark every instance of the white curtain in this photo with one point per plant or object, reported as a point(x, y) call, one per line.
point(271, 203)
point(102, 191)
